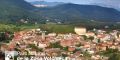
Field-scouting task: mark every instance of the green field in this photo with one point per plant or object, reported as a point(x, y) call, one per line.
point(57, 28)
point(47, 27)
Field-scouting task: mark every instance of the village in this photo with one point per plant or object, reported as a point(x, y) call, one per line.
point(82, 45)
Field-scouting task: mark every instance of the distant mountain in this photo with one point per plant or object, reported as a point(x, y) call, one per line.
point(74, 13)
point(113, 5)
point(45, 4)
point(14, 10)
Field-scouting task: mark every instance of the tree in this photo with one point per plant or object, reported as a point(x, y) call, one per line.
point(6, 36)
point(91, 38)
point(2, 37)
point(55, 45)
point(65, 48)
point(114, 56)
point(35, 47)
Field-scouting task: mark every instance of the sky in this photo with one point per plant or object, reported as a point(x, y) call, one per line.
point(106, 3)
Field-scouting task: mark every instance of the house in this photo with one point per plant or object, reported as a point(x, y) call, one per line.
point(89, 34)
point(52, 34)
point(65, 43)
point(80, 30)
point(4, 47)
point(71, 48)
point(41, 45)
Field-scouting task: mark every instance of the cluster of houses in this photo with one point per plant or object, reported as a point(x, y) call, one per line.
point(80, 45)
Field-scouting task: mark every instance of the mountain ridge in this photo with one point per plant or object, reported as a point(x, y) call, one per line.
point(91, 12)
point(14, 10)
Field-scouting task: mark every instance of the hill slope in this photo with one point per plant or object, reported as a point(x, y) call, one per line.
point(74, 13)
point(14, 10)
point(11, 11)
